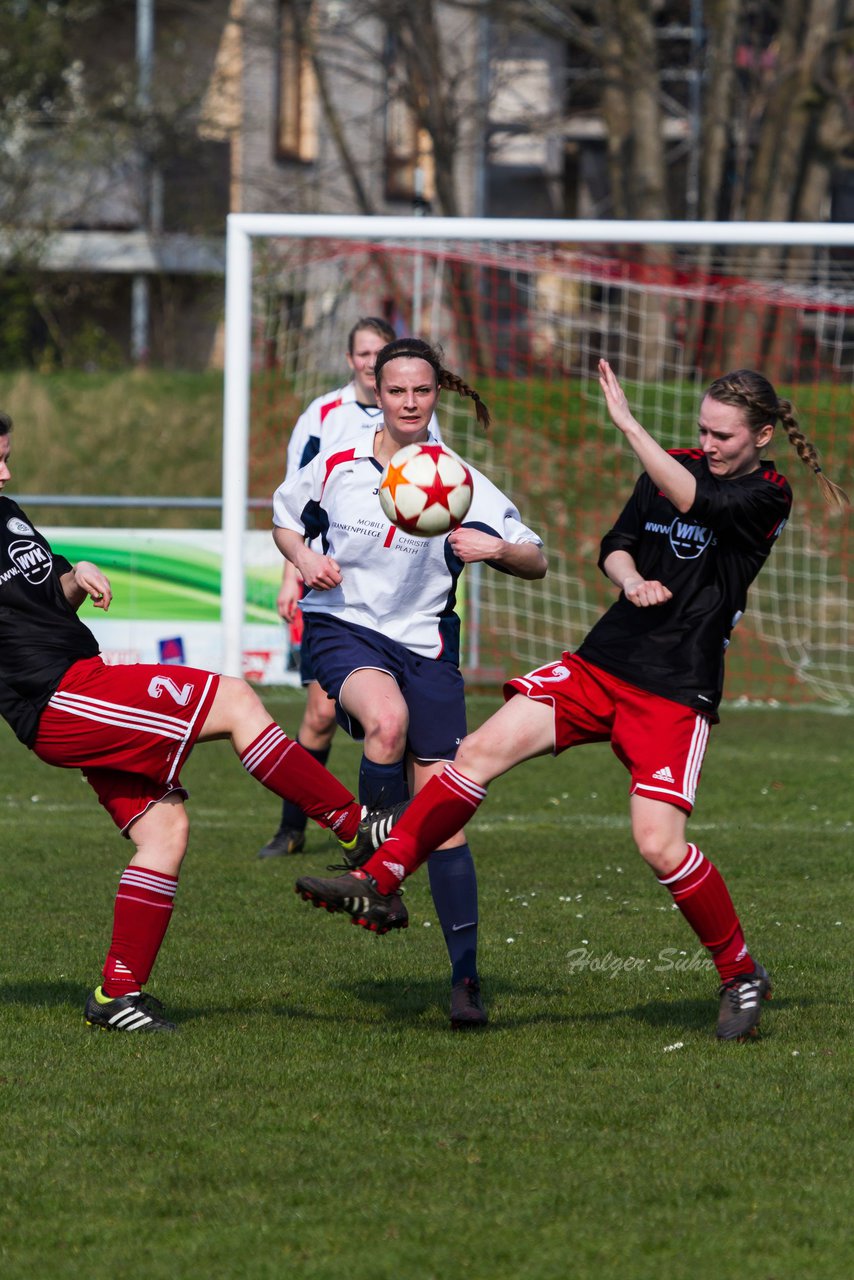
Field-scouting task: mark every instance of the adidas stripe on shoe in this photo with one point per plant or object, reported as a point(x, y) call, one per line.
point(741, 1005)
point(136, 1012)
point(357, 896)
point(373, 831)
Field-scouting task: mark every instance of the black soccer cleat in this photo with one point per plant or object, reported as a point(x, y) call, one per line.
point(373, 831)
point(358, 897)
point(741, 1005)
point(467, 1010)
point(137, 1012)
point(285, 842)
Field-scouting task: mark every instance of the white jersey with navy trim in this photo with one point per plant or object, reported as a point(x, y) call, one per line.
point(393, 582)
point(304, 443)
point(330, 419)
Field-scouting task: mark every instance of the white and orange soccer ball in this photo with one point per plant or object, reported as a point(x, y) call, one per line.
point(426, 490)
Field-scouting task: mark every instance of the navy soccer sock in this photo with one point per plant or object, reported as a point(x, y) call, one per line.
point(293, 818)
point(382, 785)
point(453, 884)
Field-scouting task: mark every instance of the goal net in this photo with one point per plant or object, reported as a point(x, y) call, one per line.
point(523, 312)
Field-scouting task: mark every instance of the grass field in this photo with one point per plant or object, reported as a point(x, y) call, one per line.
point(316, 1118)
point(127, 433)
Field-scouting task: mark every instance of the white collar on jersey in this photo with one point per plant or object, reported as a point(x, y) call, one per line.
point(363, 443)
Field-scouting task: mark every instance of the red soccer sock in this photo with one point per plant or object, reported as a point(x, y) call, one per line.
point(440, 809)
point(284, 767)
point(701, 895)
point(141, 917)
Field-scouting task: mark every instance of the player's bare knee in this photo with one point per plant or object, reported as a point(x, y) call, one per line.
point(241, 696)
point(237, 712)
point(385, 736)
point(161, 834)
point(659, 849)
point(318, 720)
point(474, 756)
point(179, 830)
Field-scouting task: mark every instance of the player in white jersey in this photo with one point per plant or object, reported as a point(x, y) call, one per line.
point(379, 612)
point(396, 583)
point(336, 415)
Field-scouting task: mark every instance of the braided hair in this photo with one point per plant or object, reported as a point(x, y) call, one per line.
point(756, 398)
point(417, 349)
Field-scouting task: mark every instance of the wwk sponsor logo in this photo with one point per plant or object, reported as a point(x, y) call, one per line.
point(31, 560)
point(688, 540)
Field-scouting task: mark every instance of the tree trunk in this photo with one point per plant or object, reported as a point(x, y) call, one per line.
point(790, 118)
point(615, 109)
point(831, 137)
point(647, 175)
point(434, 99)
point(647, 185)
point(714, 142)
point(717, 104)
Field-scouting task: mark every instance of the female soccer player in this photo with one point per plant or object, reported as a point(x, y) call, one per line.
point(381, 624)
point(130, 729)
point(648, 677)
point(333, 416)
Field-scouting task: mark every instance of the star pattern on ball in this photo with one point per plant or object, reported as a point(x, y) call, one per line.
point(394, 477)
point(425, 490)
point(437, 492)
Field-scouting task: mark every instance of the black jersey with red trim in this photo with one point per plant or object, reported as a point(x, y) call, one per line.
point(40, 634)
point(708, 558)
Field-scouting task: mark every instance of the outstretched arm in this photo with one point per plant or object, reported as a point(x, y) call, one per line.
point(674, 481)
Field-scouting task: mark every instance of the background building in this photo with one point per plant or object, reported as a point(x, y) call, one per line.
point(128, 131)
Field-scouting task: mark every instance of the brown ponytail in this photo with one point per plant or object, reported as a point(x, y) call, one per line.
point(808, 454)
point(453, 382)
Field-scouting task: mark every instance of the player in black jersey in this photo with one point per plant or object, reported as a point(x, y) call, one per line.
point(129, 729)
point(648, 677)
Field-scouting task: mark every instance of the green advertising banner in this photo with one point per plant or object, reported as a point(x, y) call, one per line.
point(167, 601)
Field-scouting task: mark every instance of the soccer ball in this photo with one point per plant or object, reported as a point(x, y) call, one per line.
point(426, 490)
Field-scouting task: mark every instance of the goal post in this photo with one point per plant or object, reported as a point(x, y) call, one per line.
point(523, 309)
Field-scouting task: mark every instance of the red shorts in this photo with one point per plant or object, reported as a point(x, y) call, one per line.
point(129, 728)
point(661, 743)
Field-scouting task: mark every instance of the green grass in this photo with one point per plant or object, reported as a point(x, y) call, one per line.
point(130, 433)
point(315, 1117)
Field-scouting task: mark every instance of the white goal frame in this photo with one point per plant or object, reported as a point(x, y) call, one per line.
point(244, 228)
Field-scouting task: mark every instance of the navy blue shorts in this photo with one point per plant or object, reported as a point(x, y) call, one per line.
point(433, 690)
point(306, 666)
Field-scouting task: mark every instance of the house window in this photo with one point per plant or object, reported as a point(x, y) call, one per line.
point(401, 151)
point(296, 132)
point(409, 168)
